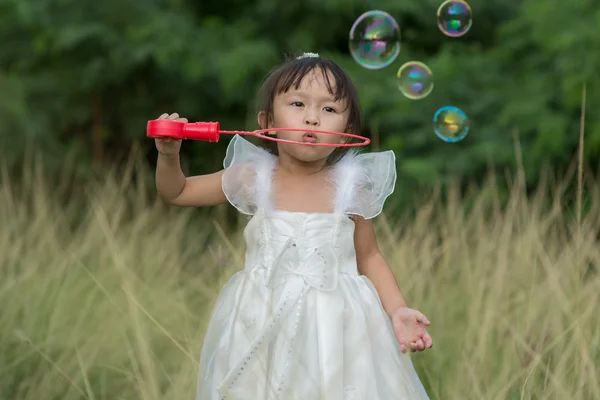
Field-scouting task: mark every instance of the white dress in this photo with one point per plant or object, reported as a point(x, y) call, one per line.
point(299, 322)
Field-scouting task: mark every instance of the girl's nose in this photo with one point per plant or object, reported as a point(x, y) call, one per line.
point(311, 120)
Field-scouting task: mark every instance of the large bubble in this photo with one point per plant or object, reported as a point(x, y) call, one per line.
point(454, 18)
point(451, 124)
point(375, 40)
point(415, 80)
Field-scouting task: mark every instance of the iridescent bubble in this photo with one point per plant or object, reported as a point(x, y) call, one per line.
point(454, 18)
point(451, 124)
point(375, 40)
point(415, 80)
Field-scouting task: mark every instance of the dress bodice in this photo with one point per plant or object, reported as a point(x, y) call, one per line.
point(316, 244)
point(304, 240)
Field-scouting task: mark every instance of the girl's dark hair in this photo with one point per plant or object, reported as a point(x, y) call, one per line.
point(291, 73)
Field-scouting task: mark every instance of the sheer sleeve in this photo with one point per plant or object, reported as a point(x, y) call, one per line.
point(364, 182)
point(241, 178)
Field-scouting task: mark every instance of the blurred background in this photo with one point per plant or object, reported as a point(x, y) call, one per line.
point(105, 291)
point(84, 78)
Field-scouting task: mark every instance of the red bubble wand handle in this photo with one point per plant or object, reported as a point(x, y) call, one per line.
point(211, 131)
point(167, 129)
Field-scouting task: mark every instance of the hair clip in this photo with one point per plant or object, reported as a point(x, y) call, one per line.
point(307, 55)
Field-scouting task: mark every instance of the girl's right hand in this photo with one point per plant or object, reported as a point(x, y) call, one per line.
point(169, 147)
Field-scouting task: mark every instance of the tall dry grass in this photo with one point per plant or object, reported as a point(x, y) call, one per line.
point(105, 292)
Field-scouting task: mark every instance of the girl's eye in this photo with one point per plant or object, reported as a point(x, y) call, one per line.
point(297, 104)
point(329, 109)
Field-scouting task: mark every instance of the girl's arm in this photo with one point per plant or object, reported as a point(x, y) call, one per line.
point(195, 191)
point(372, 265)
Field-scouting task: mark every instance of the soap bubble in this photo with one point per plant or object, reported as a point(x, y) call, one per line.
point(415, 80)
point(451, 124)
point(375, 40)
point(454, 18)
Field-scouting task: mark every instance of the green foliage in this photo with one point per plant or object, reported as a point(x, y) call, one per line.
point(83, 79)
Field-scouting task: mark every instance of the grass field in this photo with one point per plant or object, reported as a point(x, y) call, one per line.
point(106, 296)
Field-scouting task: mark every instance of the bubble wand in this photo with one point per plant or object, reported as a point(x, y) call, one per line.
point(211, 132)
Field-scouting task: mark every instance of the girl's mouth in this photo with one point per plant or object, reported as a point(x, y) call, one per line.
point(309, 138)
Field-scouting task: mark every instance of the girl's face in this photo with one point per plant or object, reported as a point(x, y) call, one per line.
point(311, 106)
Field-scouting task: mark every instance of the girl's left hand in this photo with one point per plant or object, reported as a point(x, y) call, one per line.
point(409, 326)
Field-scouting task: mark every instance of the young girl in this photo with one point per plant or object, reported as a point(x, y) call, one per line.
point(316, 313)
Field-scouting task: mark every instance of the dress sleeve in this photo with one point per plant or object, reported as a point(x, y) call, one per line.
point(240, 178)
point(365, 181)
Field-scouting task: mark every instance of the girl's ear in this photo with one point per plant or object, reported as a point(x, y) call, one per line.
point(262, 120)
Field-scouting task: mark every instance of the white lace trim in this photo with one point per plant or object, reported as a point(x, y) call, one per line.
point(247, 176)
point(363, 182)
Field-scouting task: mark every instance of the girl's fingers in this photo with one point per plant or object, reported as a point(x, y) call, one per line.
point(422, 318)
point(428, 341)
